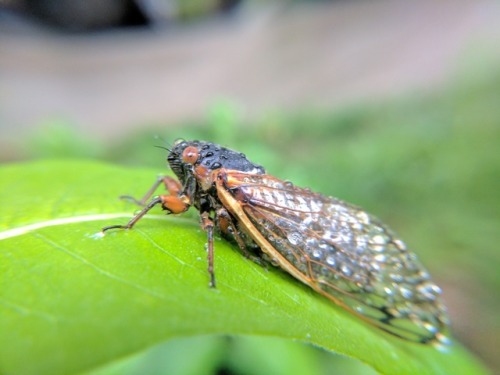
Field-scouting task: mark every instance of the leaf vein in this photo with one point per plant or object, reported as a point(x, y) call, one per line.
point(98, 269)
point(24, 311)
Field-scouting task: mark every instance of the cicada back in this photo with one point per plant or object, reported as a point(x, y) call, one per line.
point(336, 248)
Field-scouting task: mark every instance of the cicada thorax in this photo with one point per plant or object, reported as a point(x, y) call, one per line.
point(340, 251)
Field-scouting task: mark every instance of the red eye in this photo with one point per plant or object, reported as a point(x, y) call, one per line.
point(190, 155)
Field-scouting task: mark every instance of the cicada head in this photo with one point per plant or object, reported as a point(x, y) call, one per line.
point(198, 158)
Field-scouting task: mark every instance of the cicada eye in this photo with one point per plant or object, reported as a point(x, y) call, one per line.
point(190, 155)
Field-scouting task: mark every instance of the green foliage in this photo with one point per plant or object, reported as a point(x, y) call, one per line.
point(71, 299)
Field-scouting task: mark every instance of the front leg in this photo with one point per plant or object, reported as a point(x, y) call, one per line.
point(171, 203)
point(171, 184)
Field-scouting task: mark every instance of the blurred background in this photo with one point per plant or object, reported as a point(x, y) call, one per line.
point(392, 105)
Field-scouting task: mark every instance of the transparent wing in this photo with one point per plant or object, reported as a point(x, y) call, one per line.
point(345, 254)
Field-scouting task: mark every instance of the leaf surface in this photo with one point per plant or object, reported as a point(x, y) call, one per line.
point(71, 299)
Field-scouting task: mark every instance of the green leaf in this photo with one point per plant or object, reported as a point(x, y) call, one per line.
point(71, 299)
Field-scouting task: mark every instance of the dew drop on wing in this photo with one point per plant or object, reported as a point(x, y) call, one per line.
point(317, 253)
point(346, 270)
point(294, 238)
point(330, 260)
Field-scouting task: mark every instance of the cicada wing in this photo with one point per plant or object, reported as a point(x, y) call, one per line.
point(343, 253)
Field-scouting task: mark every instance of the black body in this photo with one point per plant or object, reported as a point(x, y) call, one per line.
point(212, 156)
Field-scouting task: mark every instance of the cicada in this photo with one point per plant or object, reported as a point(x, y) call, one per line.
point(337, 249)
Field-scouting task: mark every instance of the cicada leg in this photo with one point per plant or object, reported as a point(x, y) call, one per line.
point(208, 225)
point(171, 184)
point(173, 202)
point(227, 226)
